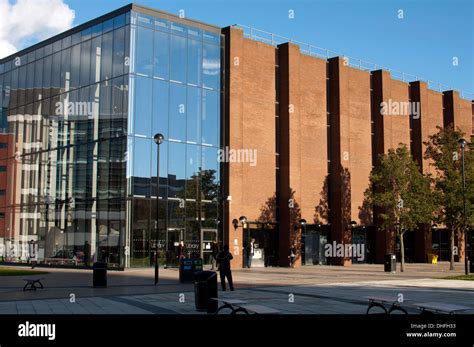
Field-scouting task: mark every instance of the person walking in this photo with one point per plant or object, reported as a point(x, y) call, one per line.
point(250, 251)
point(223, 261)
point(214, 253)
point(292, 255)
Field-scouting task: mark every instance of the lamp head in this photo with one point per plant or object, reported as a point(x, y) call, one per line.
point(158, 138)
point(462, 142)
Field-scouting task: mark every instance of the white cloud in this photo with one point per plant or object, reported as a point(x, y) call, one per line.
point(25, 22)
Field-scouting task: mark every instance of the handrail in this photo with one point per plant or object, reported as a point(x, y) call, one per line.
point(324, 53)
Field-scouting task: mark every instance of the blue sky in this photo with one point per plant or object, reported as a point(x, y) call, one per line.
point(423, 43)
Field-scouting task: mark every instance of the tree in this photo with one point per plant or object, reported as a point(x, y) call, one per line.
point(445, 153)
point(402, 193)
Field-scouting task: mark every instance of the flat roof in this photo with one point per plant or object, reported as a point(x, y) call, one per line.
point(115, 13)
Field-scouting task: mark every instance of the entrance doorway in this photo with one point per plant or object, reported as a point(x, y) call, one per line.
point(314, 239)
point(265, 247)
point(173, 236)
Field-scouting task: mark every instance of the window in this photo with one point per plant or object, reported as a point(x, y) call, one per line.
point(193, 115)
point(161, 59)
point(193, 165)
point(143, 106)
point(2, 215)
point(96, 45)
point(160, 107)
point(75, 66)
point(144, 55)
point(85, 62)
point(177, 112)
point(3, 145)
point(178, 59)
point(119, 51)
point(3, 168)
point(141, 168)
point(211, 66)
point(106, 63)
point(194, 62)
point(210, 118)
point(65, 66)
point(176, 169)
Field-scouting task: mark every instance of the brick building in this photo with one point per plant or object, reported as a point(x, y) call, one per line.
point(83, 185)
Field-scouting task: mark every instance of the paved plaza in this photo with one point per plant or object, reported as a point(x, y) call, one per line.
point(306, 290)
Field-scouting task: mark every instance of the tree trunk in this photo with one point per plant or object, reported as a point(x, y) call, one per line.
point(402, 253)
point(451, 262)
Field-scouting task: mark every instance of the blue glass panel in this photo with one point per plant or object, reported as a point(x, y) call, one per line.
point(96, 30)
point(178, 29)
point(178, 59)
point(119, 21)
point(193, 113)
point(145, 20)
point(106, 59)
point(108, 25)
point(211, 37)
point(194, 62)
point(160, 107)
point(162, 24)
point(119, 52)
point(143, 106)
point(161, 58)
point(144, 51)
point(210, 117)
point(177, 112)
point(211, 64)
point(176, 169)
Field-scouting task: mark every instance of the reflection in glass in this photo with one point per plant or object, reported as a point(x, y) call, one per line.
point(177, 112)
point(161, 58)
point(178, 59)
point(143, 106)
point(194, 62)
point(211, 66)
point(144, 51)
point(160, 107)
point(210, 117)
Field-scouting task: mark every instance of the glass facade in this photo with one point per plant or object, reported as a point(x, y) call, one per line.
point(77, 119)
point(177, 68)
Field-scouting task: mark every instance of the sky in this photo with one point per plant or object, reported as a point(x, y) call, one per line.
point(425, 38)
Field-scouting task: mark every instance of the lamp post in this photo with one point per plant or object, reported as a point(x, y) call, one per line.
point(463, 143)
point(158, 138)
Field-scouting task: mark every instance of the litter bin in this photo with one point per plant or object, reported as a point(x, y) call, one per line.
point(390, 264)
point(205, 288)
point(99, 275)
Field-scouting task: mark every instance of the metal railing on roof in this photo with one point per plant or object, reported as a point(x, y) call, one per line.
point(324, 53)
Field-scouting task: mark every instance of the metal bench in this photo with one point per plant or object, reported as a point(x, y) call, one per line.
point(33, 283)
point(237, 305)
point(382, 302)
point(435, 307)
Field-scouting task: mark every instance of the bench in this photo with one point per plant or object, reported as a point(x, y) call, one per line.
point(237, 305)
point(382, 302)
point(435, 307)
point(33, 283)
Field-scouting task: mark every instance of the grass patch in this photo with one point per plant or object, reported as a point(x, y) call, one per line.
point(460, 277)
point(19, 272)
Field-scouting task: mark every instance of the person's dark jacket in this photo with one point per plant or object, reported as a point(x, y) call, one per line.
point(223, 259)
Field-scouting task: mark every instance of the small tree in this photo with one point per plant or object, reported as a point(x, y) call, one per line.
point(444, 151)
point(402, 192)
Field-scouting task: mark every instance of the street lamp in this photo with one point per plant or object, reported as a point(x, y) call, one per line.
point(158, 138)
point(462, 142)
